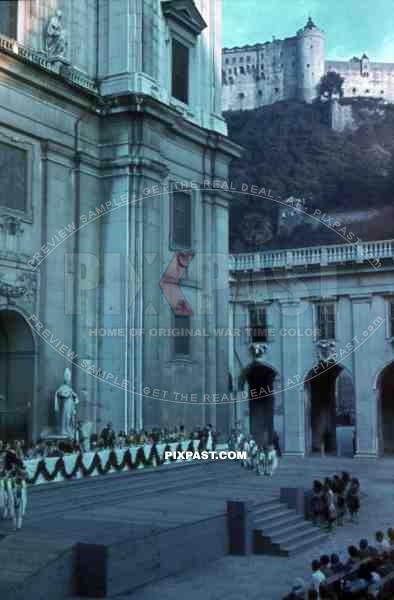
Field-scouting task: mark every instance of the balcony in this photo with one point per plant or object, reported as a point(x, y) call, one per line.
point(322, 256)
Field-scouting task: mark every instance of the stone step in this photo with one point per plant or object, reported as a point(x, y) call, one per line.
point(17, 560)
point(293, 537)
point(31, 541)
point(272, 517)
point(92, 485)
point(317, 539)
point(289, 527)
point(267, 507)
point(171, 470)
point(86, 497)
point(285, 522)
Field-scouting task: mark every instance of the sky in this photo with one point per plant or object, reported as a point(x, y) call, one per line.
point(352, 27)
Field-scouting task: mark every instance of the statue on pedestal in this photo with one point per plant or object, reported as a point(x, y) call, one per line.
point(66, 401)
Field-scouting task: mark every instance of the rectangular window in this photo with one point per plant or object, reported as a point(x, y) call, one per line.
point(180, 71)
point(8, 18)
point(181, 236)
point(391, 318)
point(182, 336)
point(258, 324)
point(13, 177)
point(326, 320)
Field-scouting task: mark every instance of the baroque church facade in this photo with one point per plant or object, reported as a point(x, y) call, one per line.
point(291, 69)
point(113, 151)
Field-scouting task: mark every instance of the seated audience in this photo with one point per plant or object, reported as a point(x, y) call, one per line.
point(336, 565)
point(366, 551)
point(325, 565)
point(382, 545)
point(318, 576)
point(298, 591)
point(353, 559)
point(390, 536)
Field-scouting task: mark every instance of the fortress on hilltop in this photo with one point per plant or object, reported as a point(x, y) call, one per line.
point(290, 69)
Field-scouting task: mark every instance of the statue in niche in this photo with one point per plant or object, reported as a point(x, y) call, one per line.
point(66, 401)
point(55, 37)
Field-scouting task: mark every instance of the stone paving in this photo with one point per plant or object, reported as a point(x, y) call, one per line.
point(269, 578)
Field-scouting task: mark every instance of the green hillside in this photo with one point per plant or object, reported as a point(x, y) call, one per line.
point(290, 148)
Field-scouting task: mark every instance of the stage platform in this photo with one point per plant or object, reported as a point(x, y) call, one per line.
point(114, 534)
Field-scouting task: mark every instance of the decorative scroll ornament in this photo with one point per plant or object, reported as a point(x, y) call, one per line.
point(11, 225)
point(258, 351)
point(25, 285)
point(11, 291)
point(325, 349)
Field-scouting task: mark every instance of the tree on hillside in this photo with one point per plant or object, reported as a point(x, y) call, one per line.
point(290, 149)
point(331, 84)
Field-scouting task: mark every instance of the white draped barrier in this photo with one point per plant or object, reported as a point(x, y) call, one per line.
point(91, 464)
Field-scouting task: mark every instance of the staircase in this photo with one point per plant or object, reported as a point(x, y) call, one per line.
point(281, 531)
point(56, 498)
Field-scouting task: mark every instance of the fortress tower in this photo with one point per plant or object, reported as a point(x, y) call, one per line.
point(310, 60)
point(291, 68)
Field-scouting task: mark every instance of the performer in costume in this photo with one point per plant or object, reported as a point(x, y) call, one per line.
point(19, 502)
point(261, 461)
point(254, 455)
point(246, 451)
point(9, 513)
point(3, 495)
point(272, 460)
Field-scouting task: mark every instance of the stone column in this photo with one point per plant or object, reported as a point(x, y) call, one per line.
point(220, 276)
point(210, 312)
point(366, 410)
point(278, 410)
point(294, 419)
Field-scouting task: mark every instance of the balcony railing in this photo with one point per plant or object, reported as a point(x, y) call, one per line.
point(315, 255)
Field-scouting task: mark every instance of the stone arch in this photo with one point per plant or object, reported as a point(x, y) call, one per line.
point(384, 391)
point(330, 409)
point(265, 406)
point(18, 353)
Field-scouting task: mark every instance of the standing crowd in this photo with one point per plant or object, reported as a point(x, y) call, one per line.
point(333, 499)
